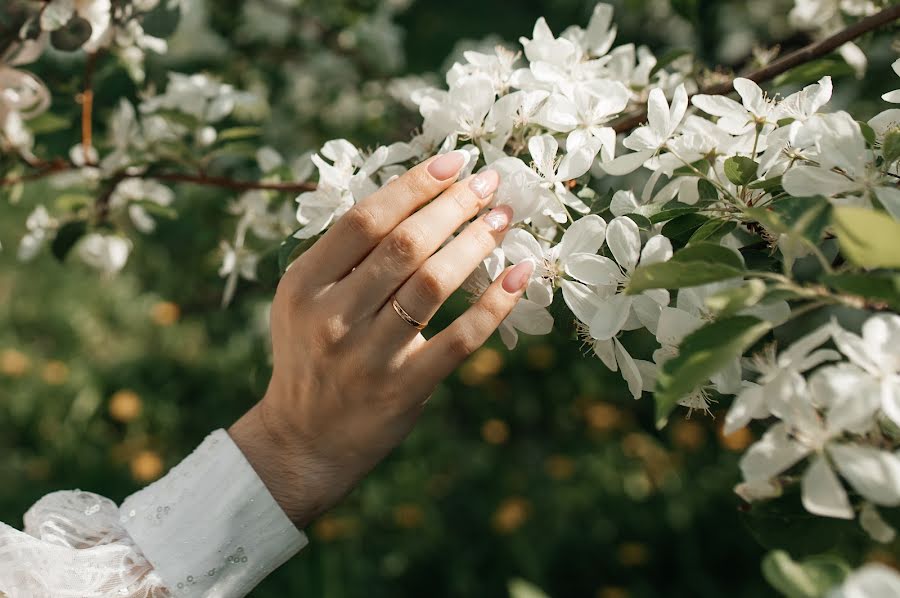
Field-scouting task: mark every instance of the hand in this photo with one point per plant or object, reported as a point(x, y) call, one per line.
point(350, 375)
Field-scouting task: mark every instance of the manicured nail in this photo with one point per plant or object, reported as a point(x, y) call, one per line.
point(518, 277)
point(485, 183)
point(499, 218)
point(447, 165)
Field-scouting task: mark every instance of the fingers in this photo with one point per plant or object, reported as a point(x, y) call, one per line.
point(415, 239)
point(358, 231)
point(444, 352)
point(442, 274)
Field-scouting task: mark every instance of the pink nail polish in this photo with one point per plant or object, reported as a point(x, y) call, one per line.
point(518, 277)
point(447, 165)
point(499, 218)
point(485, 183)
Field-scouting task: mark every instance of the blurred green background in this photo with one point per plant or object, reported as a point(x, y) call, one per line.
point(532, 464)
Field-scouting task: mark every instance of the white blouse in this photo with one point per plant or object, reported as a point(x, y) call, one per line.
point(208, 528)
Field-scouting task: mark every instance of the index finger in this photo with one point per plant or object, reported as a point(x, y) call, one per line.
point(362, 228)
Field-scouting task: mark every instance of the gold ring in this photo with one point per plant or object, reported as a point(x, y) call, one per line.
point(405, 315)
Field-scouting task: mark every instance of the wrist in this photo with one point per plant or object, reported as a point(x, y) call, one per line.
point(283, 466)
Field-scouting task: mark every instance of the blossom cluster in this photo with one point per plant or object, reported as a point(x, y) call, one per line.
point(759, 170)
point(696, 249)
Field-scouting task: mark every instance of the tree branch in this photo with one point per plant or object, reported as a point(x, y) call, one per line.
point(86, 99)
point(171, 177)
point(783, 64)
point(227, 183)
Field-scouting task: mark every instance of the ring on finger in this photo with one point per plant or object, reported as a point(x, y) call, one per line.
point(405, 315)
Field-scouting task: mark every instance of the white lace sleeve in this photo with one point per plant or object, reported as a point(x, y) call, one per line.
point(208, 528)
point(73, 546)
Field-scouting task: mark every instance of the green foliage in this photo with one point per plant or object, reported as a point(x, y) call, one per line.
point(702, 354)
point(697, 264)
point(811, 578)
point(869, 239)
point(741, 170)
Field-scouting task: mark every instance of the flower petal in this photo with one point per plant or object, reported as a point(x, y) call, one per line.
point(593, 269)
point(873, 473)
point(775, 452)
point(630, 371)
point(519, 245)
point(748, 405)
point(627, 163)
point(805, 181)
point(606, 351)
point(822, 492)
point(658, 249)
point(624, 239)
point(610, 316)
point(581, 300)
point(585, 235)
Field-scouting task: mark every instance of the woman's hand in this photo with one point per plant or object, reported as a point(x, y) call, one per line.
point(351, 375)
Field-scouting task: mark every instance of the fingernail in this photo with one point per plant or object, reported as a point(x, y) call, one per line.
point(485, 183)
point(499, 218)
point(518, 277)
point(447, 165)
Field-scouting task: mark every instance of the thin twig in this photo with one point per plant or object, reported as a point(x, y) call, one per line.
point(227, 183)
point(86, 99)
point(171, 177)
point(784, 64)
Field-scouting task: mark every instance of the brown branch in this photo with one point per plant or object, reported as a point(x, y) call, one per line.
point(44, 170)
point(784, 64)
point(86, 99)
point(172, 177)
point(227, 183)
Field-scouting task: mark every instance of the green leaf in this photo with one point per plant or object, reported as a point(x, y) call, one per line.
point(154, 209)
point(292, 248)
point(72, 202)
point(700, 355)
point(671, 213)
point(875, 287)
point(741, 170)
point(868, 239)
point(681, 228)
point(235, 133)
point(707, 190)
point(72, 35)
point(677, 275)
point(731, 301)
point(811, 578)
point(48, 122)
point(691, 170)
point(890, 148)
point(783, 523)
point(642, 221)
point(868, 133)
point(806, 217)
point(710, 252)
point(66, 237)
point(162, 21)
point(712, 231)
point(766, 184)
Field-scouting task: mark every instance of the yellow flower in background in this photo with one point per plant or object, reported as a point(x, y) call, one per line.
point(125, 406)
point(165, 313)
point(55, 373)
point(512, 513)
point(482, 366)
point(14, 363)
point(409, 516)
point(146, 466)
point(495, 431)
